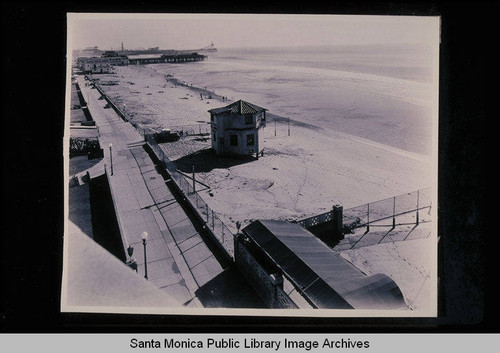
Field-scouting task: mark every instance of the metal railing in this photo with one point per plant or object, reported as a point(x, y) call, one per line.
point(315, 220)
point(212, 221)
point(386, 209)
point(390, 208)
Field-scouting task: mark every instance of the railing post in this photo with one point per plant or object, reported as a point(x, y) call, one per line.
point(368, 219)
point(337, 220)
point(394, 212)
point(418, 197)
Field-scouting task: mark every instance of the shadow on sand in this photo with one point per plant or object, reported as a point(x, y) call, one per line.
point(206, 160)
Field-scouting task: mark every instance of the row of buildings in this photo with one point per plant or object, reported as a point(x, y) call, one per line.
point(102, 64)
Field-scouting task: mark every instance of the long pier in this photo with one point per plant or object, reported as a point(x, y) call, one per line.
point(165, 58)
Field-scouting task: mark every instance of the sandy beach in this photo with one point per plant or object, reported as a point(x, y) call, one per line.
point(299, 175)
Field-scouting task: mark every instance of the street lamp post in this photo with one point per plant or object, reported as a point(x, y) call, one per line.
point(144, 237)
point(111, 157)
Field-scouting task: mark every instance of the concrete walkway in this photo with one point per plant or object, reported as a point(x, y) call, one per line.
point(178, 260)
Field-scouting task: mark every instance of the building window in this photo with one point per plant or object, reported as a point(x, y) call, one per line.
point(250, 140)
point(248, 119)
point(233, 140)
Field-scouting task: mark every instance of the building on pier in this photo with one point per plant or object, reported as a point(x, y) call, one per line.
point(94, 65)
point(115, 58)
point(237, 129)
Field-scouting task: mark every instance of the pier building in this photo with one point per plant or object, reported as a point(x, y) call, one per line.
point(94, 65)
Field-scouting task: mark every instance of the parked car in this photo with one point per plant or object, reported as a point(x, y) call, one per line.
point(166, 135)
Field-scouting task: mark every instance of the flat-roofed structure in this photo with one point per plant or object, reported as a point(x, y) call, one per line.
point(320, 275)
point(94, 65)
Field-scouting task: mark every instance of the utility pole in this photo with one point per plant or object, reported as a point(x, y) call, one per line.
point(418, 196)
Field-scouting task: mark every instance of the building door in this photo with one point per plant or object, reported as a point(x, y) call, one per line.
point(221, 145)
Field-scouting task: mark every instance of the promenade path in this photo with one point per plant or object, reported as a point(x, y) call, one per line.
point(178, 260)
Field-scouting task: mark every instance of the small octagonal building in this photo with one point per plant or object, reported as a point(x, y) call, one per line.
point(236, 129)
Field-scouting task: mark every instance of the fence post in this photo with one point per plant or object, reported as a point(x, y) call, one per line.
point(368, 219)
point(206, 205)
point(394, 212)
point(418, 197)
point(337, 220)
point(222, 227)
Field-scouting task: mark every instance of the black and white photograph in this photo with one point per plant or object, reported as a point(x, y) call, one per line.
point(251, 164)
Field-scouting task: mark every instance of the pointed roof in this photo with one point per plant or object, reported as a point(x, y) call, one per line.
point(238, 107)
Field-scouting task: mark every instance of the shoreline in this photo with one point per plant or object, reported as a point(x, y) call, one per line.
point(353, 123)
point(293, 122)
point(350, 169)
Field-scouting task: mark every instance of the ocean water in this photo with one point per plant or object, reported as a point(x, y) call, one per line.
point(384, 93)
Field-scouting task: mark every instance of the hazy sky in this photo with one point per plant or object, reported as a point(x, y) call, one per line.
point(191, 31)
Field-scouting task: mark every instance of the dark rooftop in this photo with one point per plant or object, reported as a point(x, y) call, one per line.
point(238, 107)
point(324, 277)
